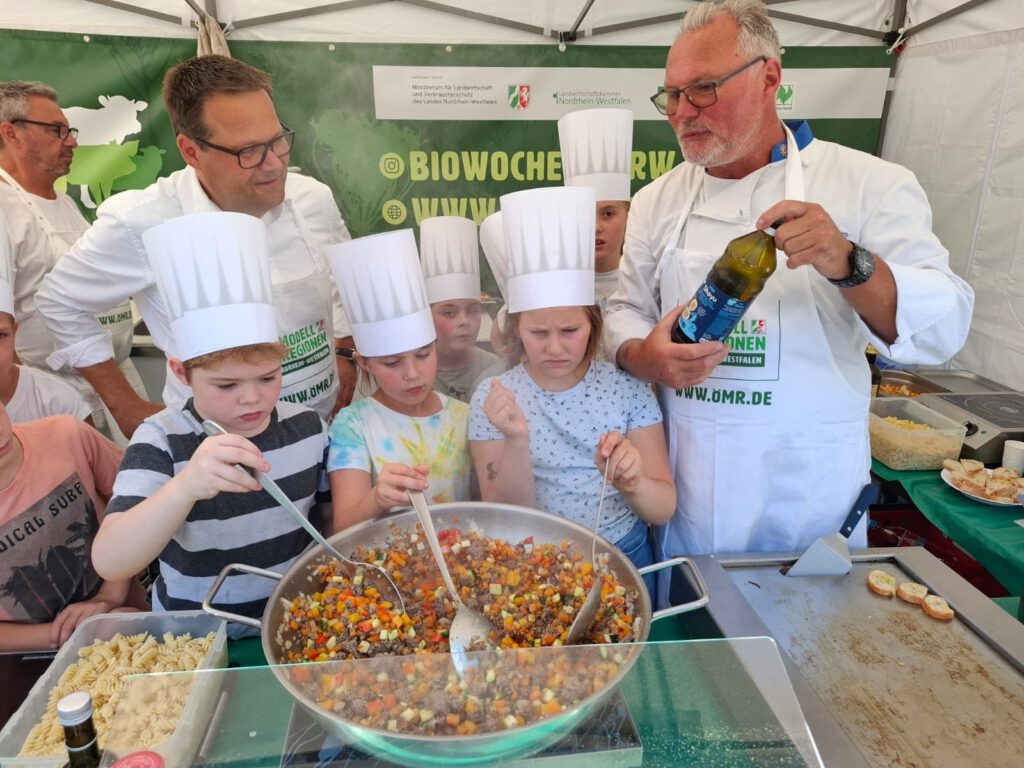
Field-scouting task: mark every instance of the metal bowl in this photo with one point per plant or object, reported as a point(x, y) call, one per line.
point(500, 521)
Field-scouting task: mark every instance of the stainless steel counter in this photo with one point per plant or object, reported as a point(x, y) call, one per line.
point(880, 682)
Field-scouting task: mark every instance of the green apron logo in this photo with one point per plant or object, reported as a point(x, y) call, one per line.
point(784, 97)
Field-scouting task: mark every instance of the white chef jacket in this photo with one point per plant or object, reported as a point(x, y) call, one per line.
point(875, 203)
point(31, 257)
point(35, 249)
point(109, 263)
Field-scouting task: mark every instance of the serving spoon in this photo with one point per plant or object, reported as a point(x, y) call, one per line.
point(468, 626)
point(378, 577)
point(585, 616)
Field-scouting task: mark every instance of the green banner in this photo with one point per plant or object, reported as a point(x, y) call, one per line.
point(392, 173)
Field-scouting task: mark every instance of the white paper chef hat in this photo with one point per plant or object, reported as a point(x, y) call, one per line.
point(597, 151)
point(6, 276)
point(492, 241)
point(214, 274)
point(450, 258)
point(381, 287)
point(549, 242)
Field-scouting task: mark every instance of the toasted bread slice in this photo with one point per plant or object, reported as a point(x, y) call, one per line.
point(967, 486)
point(912, 592)
point(957, 475)
point(1001, 487)
point(937, 608)
point(881, 583)
point(1007, 472)
point(952, 465)
point(971, 464)
point(979, 476)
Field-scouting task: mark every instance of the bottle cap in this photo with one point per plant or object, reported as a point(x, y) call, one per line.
point(144, 759)
point(74, 708)
point(870, 350)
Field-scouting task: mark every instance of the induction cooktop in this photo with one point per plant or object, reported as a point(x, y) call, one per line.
point(991, 418)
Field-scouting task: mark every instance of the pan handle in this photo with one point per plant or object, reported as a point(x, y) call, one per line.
point(219, 582)
point(697, 580)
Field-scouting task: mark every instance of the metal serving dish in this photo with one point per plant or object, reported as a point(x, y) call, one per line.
point(960, 381)
point(501, 521)
point(913, 383)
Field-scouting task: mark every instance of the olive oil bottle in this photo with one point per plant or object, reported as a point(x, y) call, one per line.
point(733, 282)
point(74, 712)
point(876, 373)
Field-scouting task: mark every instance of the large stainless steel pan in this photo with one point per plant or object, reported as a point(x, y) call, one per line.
point(500, 521)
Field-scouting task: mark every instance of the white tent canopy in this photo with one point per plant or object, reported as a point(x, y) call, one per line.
point(956, 114)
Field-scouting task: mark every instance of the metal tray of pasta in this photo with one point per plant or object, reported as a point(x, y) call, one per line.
point(170, 725)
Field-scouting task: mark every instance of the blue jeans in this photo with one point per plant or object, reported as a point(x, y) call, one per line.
point(636, 545)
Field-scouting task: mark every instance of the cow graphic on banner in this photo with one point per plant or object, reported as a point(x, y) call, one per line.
point(104, 162)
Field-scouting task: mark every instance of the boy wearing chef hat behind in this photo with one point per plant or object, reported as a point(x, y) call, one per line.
point(597, 152)
point(450, 257)
point(188, 498)
point(28, 393)
point(405, 435)
point(544, 433)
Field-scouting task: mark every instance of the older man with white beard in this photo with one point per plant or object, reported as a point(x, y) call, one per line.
point(768, 430)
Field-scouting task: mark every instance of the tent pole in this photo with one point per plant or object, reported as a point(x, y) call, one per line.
point(571, 34)
point(301, 13)
point(943, 16)
point(341, 6)
point(175, 20)
point(899, 18)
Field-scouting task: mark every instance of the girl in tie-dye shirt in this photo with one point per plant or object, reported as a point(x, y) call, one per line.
point(404, 436)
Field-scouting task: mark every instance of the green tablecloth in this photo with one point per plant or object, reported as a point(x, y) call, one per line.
point(987, 533)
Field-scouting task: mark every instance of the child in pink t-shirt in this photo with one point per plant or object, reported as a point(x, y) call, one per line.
point(56, 475)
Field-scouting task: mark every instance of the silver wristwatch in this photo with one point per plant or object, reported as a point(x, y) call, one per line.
point(862, 267)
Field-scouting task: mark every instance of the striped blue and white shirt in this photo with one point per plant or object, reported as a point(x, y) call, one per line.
point(249, 528)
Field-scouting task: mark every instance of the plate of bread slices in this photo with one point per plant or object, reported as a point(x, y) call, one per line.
point(999, 487)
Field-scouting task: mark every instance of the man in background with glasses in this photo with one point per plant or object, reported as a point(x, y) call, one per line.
point(36, 146)
point(768, 430)
point(236, 151)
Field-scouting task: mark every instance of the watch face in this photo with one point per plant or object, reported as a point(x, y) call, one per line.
point(863, 262)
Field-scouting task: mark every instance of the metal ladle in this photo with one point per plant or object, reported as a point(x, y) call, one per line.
point(588, 610)
point(468, 626)
point(378, 577)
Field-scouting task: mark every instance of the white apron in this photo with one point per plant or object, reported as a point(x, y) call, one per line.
point(771, 450)
point(33, 334)
point(304, 314)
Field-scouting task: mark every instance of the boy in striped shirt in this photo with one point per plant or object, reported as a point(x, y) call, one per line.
point(186, 499)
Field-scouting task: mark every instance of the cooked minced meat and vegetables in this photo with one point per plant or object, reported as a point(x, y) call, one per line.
point(530, 592)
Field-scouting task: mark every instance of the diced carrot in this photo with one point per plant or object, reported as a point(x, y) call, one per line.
point(551, 707)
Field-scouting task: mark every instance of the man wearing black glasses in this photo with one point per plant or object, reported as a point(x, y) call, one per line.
point(36, 146)
point(768, 429)
point(236, 149)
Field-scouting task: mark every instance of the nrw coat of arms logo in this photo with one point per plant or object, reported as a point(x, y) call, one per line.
point(519, 96)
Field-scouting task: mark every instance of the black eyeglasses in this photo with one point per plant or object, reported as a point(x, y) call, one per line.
point(254, 155)
point(60, 130)
point(700, 95)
